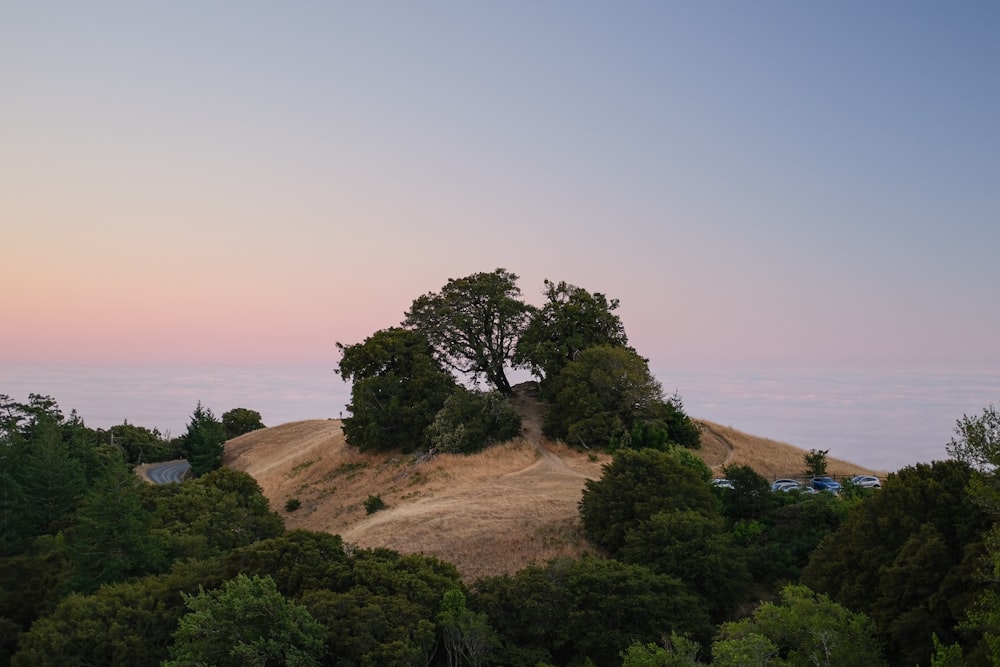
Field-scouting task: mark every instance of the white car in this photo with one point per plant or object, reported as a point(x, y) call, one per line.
point(867, 481)
point(786, 485)
point(722, 483)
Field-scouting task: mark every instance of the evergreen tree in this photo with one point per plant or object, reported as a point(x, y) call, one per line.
point(204, 441)
point(112, 539)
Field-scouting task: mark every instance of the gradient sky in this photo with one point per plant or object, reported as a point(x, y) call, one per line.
point(760, 183)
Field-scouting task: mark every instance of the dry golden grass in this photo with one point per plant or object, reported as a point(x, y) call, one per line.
point(491, 513)
point(723, 445)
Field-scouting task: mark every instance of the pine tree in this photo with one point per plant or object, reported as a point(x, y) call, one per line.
point(204, 441)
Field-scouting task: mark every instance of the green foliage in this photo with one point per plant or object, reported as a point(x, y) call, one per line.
point(367, 628)
point(381, 609)
point(816, 462)
point(750, 497)
point(203, 442)
point(472, 420)
point(46, 462)
point(678, 651)
point(292, 504)
point(977, 440)
point(467, 635)
point(397, 389)
point(908, 557)
point(794, 530)
point(222, 510)
point(120, 625)
point(947, 656)
point(803, 629)
point(246, 622)
point(239, 421)
point(694, 547)
point(138, 444)
point(374, 503)
point(31, 584)
point(636, 485)
point(571, 320)
point(598, 397)
point(589, 608)
point(473, 323)
point(52, 480)
point(112, 537)
point(298, 561)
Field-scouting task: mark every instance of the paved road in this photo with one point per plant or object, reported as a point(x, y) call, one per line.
point(168, 472)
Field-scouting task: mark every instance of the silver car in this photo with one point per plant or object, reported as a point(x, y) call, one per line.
point(786, 485)
point(867, 481)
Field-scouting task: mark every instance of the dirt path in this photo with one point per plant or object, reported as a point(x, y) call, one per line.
point(514, 518)
point(709, 430)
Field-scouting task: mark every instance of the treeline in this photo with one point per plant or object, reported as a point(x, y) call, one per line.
point(121, 572)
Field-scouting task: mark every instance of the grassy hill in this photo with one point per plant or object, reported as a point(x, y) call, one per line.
point(490, 513)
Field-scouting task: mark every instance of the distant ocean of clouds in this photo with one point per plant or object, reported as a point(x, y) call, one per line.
point(880, 419)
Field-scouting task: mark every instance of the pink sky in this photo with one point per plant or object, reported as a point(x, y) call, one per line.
point(780, 187)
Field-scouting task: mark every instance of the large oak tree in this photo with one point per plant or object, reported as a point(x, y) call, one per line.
point(474, 323)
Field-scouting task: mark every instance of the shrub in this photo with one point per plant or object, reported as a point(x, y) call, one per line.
point(374, 504)
point(472, 420)
point(292, 504)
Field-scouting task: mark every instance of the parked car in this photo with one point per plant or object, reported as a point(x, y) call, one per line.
point(722, 483)
point(786, 485)
point(825, 484)
point(867, 481)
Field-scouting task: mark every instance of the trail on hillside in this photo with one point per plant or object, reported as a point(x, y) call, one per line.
point(486, 525)
point(708, 428)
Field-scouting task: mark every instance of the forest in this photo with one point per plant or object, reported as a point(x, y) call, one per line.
point(99, 567)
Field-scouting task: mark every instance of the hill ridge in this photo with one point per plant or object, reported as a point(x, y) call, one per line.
point(490, 513)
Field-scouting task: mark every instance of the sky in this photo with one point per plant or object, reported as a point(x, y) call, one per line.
point(766, 184)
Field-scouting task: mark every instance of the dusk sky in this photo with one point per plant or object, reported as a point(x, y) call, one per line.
point(794, 184)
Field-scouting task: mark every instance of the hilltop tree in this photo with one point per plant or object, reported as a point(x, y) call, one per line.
point(599, 396)
point(397, 389)
point(473, 324)
point(571, 321)
point(239, 421)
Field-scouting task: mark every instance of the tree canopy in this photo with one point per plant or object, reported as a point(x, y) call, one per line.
point(571, 320)
point(473, 324)
point(204, 441)
point(636, 485)
point(247, 622)
point(398, 386)
point(802, 630)
point(238, 421)
point(907, 557)
point(599, 396)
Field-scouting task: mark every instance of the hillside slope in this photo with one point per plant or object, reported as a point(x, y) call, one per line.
point(491, 513)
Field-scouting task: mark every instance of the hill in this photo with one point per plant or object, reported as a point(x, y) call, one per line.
point(491, 513)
